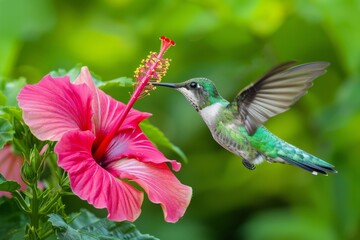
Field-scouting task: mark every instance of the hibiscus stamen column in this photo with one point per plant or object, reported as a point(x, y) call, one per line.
point(151, 70)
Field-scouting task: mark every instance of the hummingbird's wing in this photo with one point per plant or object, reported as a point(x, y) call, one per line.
point(275, 92)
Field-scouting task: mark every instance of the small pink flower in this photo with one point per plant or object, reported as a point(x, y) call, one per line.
point(102, 156)
point(10, 167)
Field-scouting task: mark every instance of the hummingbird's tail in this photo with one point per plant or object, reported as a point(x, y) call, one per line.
point(295, 156)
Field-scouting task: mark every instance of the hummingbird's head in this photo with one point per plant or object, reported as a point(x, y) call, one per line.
point(200, 92)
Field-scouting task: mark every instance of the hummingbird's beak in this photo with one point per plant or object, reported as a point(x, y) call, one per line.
point(170, 85)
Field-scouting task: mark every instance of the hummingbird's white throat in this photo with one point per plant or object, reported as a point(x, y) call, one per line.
point(209, 114)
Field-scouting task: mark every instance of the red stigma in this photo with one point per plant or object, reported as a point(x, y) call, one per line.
point(167, 40)
point(166, 43)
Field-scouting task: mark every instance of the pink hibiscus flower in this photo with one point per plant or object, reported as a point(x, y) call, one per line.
point(10, 167)
point(102, 147)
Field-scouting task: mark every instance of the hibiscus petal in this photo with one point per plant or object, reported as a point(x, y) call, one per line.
point(159, 183)
point(58, 103)
point(106, 109)
point(93, 183)
point(132, 143)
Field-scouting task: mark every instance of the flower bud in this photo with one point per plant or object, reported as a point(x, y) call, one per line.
point(32, 168)
point(29, 176)
point(35, 160)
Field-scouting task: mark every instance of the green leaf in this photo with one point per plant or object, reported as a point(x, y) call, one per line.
point(12, 220)
point(72, 73)
point(117, 82)
point(103, 85)
point(10, 90)
point(8, 185)
point(9, 112)
point(117, 88)
point(6, 132)
point(159, 139)
point(88, 226)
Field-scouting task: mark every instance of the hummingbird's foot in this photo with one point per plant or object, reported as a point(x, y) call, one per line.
point(248, 165)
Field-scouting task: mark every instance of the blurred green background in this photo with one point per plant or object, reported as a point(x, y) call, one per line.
point(233, 43)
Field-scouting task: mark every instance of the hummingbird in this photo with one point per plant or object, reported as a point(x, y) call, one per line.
point(238, 125)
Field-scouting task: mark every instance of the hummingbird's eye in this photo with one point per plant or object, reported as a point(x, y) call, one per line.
point(193, 85)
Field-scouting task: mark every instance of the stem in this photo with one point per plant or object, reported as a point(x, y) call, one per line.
point(34, 208)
